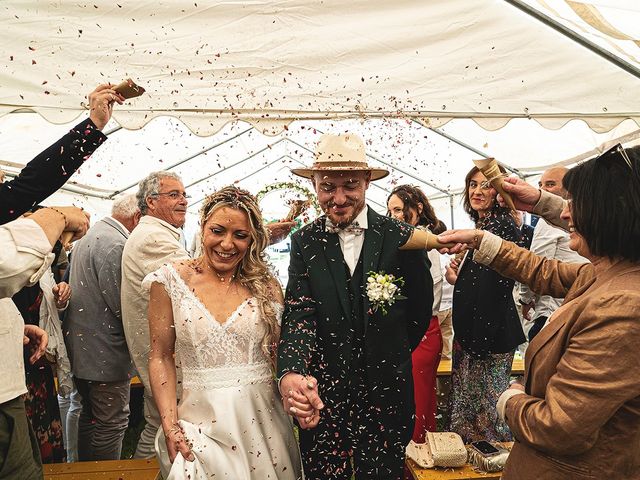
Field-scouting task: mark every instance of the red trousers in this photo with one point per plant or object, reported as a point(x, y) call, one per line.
point(426, 358)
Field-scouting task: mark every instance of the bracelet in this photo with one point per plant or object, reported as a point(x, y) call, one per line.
point(475, 239)
point(61, 213)
point(175, 428)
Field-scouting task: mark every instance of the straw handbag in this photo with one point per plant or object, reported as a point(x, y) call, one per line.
point(441, 449)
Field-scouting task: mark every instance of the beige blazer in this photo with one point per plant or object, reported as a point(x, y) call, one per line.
point(580, 416)
point(152, 243)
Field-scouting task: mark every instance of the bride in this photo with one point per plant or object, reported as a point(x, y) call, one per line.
point(220, 314)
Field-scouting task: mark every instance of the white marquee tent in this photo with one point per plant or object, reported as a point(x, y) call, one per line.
point(240, 91)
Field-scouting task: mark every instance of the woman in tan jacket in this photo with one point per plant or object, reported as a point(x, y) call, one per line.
point(577, 416)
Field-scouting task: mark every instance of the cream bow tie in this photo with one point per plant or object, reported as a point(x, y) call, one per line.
point(353, 227)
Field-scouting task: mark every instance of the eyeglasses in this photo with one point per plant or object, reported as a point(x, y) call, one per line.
point(616, 150)
point(173, 195)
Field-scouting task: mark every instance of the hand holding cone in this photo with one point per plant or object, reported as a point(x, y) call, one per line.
point(424, 240)
point(489, 168)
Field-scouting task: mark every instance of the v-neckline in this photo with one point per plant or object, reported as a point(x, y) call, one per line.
point(228, 321)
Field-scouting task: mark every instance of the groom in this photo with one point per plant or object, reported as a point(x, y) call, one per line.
point(350, 361)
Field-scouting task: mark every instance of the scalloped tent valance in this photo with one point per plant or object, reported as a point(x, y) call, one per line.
point(270, 63)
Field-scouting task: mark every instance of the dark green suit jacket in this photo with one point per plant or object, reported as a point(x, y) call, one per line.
point(317, 329)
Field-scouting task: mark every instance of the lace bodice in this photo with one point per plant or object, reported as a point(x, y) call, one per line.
point(214, 354)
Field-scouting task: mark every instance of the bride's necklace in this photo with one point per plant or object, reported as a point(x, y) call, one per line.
point(228, 279)
point(222, 278)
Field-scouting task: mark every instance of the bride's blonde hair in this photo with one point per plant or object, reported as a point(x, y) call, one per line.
point(253, 271)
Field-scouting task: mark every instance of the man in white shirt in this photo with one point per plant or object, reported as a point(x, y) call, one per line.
point(550, 242)
point(155, 241)
point(25, 254)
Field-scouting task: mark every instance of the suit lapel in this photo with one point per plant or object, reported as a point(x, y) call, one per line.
point(335, 261)
point(373, 238)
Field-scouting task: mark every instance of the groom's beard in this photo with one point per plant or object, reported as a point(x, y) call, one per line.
point(342, 215)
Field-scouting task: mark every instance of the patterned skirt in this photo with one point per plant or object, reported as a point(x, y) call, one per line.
point(476, 384)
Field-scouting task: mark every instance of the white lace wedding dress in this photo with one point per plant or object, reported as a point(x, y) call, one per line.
point(230, 409)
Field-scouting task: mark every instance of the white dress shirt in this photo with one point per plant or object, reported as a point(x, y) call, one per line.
point(351, 243)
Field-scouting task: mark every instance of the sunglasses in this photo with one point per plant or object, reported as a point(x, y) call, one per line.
point(614, 152)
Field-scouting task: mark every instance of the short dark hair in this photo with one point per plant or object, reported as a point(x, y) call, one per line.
point(411, 196)
point(466, 204)
point(605, 204)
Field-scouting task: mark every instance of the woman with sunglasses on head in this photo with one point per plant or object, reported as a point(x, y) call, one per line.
point(409, 204)
point(578, 414)
point(486, 325)
point(220, 314)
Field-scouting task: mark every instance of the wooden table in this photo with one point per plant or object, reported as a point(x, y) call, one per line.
point(144, 469)
point(517, 368)
point(462, 473)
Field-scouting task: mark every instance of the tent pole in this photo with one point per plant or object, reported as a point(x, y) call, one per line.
point(451, 210)
point(247, 176)
point(558, 27)
point(472, 149)
point(191, 157)
point(268, 147)
point(384, 163)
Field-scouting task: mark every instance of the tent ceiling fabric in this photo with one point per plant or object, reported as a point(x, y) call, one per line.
point(272, 62)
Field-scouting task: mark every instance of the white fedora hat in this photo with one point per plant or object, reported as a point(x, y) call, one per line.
point(343, 152)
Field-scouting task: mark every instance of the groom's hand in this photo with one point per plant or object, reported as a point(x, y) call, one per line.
point(300, 399)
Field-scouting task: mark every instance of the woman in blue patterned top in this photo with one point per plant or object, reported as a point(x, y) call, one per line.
point(486, 325)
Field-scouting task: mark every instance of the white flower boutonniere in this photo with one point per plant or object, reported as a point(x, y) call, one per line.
point(383, 290)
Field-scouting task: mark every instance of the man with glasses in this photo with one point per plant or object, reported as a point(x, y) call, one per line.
point(155, 241)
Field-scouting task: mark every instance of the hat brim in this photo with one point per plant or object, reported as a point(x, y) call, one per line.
point(376, 173)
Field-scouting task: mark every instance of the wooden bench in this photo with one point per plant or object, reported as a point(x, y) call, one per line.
point(462, 473)
point(134, 469)
point(444, 369)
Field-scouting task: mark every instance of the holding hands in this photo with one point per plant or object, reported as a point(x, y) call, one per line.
point(300, 399)
point(463, 240)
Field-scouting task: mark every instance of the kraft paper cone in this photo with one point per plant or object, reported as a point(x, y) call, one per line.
point(297, 208)
point(489, 168)
point(424, 240)
point(129, 89)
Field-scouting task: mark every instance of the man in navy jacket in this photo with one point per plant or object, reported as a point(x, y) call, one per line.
point(48, 171)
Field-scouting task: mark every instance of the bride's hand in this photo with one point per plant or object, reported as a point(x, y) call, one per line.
point(300, 399)
point(176, 442)
point(297, 405)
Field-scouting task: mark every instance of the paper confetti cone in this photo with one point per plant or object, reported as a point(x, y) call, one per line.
point(422, 239)
point(489, 168)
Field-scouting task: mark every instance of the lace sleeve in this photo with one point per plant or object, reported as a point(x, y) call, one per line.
point(162, 276)
point(278, 309)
